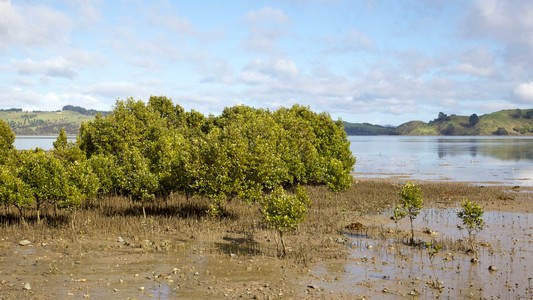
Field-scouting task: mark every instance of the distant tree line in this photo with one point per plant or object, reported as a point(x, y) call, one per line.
point(368, 129)
point(84, 111)
point(11, 109)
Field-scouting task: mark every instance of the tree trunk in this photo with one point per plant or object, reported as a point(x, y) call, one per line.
point(283, 251)
point(412, 231)
point(38, 212)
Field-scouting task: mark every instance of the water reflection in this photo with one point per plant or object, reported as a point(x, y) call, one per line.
point(504, 149)
point(393, 269)
point(482, 160)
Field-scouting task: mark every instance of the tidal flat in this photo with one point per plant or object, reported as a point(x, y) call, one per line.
point(347, 248)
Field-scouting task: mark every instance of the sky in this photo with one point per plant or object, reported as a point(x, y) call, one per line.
point(376, 61)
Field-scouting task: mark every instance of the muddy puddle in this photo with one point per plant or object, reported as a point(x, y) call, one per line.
point(388, 268)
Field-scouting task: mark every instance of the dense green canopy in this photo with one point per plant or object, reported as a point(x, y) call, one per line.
point(148, 150)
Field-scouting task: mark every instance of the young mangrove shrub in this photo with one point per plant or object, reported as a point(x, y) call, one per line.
point(398, 214)
point(283, 212)
point(411, 202)
point(471, 214)
point(432, 249)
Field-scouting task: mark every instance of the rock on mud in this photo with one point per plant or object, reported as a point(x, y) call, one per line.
point(24, 243)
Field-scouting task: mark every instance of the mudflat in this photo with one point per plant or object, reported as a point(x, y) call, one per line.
point(347, 248)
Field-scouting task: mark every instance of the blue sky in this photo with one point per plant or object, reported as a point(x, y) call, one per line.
point(382, 62)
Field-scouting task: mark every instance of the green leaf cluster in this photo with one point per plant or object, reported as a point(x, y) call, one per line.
point(283, 211)
point(472, 215)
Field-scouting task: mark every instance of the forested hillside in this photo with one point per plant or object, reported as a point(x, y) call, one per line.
point(504, 122)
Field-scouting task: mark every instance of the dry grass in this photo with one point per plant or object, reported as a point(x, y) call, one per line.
point(240, 229)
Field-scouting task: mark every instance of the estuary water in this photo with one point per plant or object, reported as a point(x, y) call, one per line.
point(483, 160)
point(45, 142)
point(478, 159)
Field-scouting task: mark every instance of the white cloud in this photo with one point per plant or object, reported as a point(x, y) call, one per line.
point(28, 99)
point(469, 69)
point(30, 25)
point(213, 69)
point(172, 23)
point(120, 89)
point(254, 77)
point(267, 26)
point(281, 70)
point(267, 15)
point(507, 22)
point(52, 67)
point(524, 91)
point(351, 41)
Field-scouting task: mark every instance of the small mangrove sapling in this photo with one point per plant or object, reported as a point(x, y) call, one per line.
point(432, 249)
point(283, 211)
point(411, 202)
point(471, 214)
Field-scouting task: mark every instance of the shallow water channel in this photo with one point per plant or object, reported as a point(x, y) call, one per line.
point(391, 268)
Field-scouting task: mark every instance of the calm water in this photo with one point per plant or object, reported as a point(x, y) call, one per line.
point(43, 142)
point(482, 160)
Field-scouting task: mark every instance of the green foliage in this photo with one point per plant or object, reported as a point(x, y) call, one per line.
point(517, 114)
point(398, 214)
point(318, 150)
point(105, 168)
point(66, 151)
point(433, 248)
point(14, 191)
point(338, 177)
point(7, 137)
point(501, 122)
point(283, 212)
point(368, 129)
point(471, 214)
point(83, 111)
point(48, 180)
point(84, 179)
point(449, 130)
point(243, 153)
point(137, 181)
point(61, 141)
point(411, 202)
point(473, 120)
point(501, 131)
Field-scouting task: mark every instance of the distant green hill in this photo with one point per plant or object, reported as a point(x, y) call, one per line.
point(368, 129)
point(44, 122)
point(504, 122)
